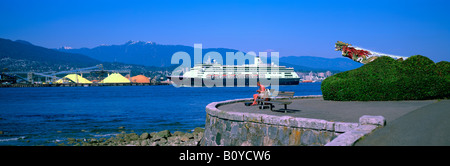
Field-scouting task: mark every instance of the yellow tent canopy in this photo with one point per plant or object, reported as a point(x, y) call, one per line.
point(74, 78)
point(115, 78)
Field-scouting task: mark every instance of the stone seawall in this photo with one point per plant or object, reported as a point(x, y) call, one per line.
point(224, 128)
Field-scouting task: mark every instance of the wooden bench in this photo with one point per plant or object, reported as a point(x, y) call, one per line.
point(270, 100)
point(266, 96)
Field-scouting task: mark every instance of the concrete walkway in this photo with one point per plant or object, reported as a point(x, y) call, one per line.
point(426, 126)
point(337, 111)
point(422, 122)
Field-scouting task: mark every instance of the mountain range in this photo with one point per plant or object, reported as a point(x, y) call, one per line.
point(23, 56)
point(20, 56)
point(153, 54)
point(140, 52)
point(139, 56)
point(321, 64)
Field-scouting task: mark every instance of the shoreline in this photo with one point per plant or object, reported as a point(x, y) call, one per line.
point(79, 85)
point(161, 138)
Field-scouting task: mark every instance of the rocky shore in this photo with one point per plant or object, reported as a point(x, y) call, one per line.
point(162, 138)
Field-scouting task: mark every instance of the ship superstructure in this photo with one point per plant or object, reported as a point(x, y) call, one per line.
point(240, 73)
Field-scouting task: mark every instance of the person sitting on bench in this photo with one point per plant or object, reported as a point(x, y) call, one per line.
point(260, 92)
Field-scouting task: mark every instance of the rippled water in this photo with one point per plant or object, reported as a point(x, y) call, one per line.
point(47, 115)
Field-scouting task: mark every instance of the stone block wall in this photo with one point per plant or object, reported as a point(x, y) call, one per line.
point(224, 128)
point(235, 133)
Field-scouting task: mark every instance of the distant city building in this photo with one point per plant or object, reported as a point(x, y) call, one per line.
point(320, 74)
point(313, 76)
point(328, 73)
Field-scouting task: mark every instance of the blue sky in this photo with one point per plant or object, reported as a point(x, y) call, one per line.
point(293, 28)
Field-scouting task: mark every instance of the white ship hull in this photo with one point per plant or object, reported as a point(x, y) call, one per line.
point(200, 82)
point(213, 74)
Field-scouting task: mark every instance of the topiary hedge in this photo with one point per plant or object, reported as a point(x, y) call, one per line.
point(416, 78)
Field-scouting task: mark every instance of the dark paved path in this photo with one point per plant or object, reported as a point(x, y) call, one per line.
point(428, 126)
point(338, 111)
point(422, 122)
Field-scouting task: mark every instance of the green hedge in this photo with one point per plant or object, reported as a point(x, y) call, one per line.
point(416, 78)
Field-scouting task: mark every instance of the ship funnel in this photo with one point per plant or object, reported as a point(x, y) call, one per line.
point(257, 60)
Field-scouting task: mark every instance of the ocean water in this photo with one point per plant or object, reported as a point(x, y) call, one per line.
point(48, 115)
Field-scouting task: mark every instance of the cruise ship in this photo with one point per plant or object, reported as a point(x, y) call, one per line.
point(236, 75)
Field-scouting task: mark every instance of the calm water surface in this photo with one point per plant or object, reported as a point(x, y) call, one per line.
point(48, 115)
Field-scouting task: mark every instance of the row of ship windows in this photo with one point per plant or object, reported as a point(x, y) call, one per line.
point(241, 69)
point(269, 71)
point(254, 73)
